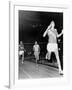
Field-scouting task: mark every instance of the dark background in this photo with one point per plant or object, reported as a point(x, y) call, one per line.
point(32, 25)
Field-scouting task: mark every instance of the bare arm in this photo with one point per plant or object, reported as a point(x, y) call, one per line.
point(33, 48)
point(39, 48)
point(45, 33)
point(49, 27)
point(60, 34)
point(24, 49)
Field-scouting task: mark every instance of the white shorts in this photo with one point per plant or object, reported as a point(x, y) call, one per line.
point(36, 55)
point(21, 52)
point(52, 47)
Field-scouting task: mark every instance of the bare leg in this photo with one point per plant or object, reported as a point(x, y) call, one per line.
point(37, 58)
point(48, 55)
point(22, 58)
point(58, 61)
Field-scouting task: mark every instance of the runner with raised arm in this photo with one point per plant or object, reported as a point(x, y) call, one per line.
point(52, 46)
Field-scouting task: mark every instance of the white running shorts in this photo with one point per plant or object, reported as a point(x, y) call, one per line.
point(21, 52)
point(36, 55)
point(52, 47)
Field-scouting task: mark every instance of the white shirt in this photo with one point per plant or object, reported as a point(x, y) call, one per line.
point(36, 48)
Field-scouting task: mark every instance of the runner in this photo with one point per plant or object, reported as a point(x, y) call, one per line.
point(52, 46)
point(21, 51)
point(36, 50)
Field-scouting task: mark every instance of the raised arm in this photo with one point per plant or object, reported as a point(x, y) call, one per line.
point(49, 27)
point(45, 33)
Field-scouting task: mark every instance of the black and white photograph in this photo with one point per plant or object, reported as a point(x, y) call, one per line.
point(40, 46)
point(39, 52)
